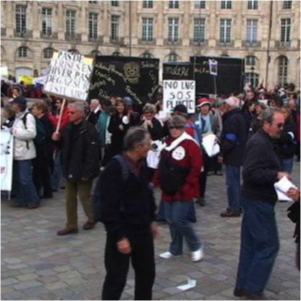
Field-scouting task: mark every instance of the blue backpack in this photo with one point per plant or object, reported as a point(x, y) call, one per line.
point(96, 198)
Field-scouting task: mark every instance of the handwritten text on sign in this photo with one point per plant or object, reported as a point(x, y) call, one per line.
point(69, 75)
point(177, 92)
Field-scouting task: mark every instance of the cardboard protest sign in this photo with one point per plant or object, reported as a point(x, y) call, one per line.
point(69, 75)
point(6, 160)
point(178, 71)
point(134, 77)
point(177, 92)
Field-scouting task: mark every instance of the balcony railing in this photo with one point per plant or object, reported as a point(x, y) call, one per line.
point(251, 44)
point(72, 36)
point(53, 35)
point(280, 44)
point(118, 41)
point(226, 44)
point(147, 42)
point(24, 34)
point(202, 43)
point(172, 42)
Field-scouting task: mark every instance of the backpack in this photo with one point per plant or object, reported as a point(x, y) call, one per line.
point(171, 176)
point(41, 132)
point(96, 198)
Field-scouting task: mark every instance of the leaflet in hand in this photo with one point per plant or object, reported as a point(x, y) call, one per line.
point(282, 187)
point(210, 145)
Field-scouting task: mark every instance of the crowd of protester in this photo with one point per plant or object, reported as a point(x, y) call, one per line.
point(66, 145)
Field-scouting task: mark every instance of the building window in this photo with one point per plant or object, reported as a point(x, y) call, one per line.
point(115, 3)
point(287, 5)
point(282, 70)
point(226, 4)
point(172, 57)
point(285, 30)
point(252, 78)
point(253, 4)
point(117, 53)
point(22, 51)
point(173, 4)
point(70, 23)
point(47, 21)
point(47, 53)
point(147, 4)
point(252, 30)
point(93, 2)
point(147, 29)
point(225, 30)
point(200, 4)
point(173, 29)
point(250, 60)
point(93, 26)
point(199, 30)
point(20, 19)
point(95, 53)
point(115, 27)
point(146, 55)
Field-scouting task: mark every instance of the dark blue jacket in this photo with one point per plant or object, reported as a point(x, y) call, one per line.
point(233, 138)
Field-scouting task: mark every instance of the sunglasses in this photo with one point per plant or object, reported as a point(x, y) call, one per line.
point(174, 127)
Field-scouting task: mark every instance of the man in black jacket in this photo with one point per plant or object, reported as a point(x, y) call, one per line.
point(233, 143)
point(80, 165)
point(259, 236)
point(127, 210)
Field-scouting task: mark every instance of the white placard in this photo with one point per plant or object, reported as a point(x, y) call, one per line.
point(6, 160)
point(69, 75)
point(213, 67)
point(177, 92)
point(210, 145)
point(282, 187)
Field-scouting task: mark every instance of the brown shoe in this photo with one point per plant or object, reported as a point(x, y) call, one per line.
point(239, 292)
point(251, 296)
point(32, 206)
point(67, 231)
point(89, 225)
point(230, 213)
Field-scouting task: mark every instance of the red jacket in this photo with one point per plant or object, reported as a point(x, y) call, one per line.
point(55, 119)
point(192, 159)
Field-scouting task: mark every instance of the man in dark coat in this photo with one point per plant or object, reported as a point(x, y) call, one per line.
point(233, 142)
point(95, 110)
point(80, 165)
point(259, 235)
point(127, 210)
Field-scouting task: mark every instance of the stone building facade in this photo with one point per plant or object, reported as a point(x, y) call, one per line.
point(265, 33)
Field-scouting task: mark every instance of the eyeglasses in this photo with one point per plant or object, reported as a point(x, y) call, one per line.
point(174, 127)
point(280, 125)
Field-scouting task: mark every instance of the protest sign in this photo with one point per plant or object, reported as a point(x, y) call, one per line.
point(218, 75)
point(177, 92)
point(6, 160)
point(26, 79)
point(69, 75)
point(137, 78)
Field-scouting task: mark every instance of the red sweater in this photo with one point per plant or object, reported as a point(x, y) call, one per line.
point(192, 159)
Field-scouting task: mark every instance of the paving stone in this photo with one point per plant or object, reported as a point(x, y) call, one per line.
point(14, 296)
point(8, 281)
point(27, 284)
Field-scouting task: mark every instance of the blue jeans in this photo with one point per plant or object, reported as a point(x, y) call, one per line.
point(233, 187)
point(26, 192)
point(259, 246)
point(57, 173)
point(287, 165)
point(177, 214)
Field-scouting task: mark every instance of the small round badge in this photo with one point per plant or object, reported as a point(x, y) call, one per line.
point(179, 153)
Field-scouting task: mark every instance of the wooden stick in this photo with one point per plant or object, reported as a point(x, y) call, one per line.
point(61, 115)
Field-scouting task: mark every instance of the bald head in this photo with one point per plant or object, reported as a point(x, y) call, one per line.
point(94, 104)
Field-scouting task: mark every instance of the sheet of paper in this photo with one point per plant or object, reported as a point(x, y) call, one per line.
point(210, 145)
point(282, 187)
point(191, 283)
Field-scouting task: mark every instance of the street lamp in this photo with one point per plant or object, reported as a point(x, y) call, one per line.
point(252, 76)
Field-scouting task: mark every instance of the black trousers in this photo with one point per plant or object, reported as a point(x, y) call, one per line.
point(203, 174)
point(117, 267)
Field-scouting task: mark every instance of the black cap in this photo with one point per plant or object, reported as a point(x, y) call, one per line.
point(20, 101)
point(180, 109)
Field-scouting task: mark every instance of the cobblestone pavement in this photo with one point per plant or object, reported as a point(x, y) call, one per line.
point(38, 265)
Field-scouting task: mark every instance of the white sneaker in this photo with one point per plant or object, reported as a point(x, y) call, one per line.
point(167, 255)
point(197, 255)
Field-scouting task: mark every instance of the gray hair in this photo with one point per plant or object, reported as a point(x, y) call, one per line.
point(268, 115)
point(177, 121)
point(79, 105)
point(95, 100)
point(135, 135)
point(149, 108)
